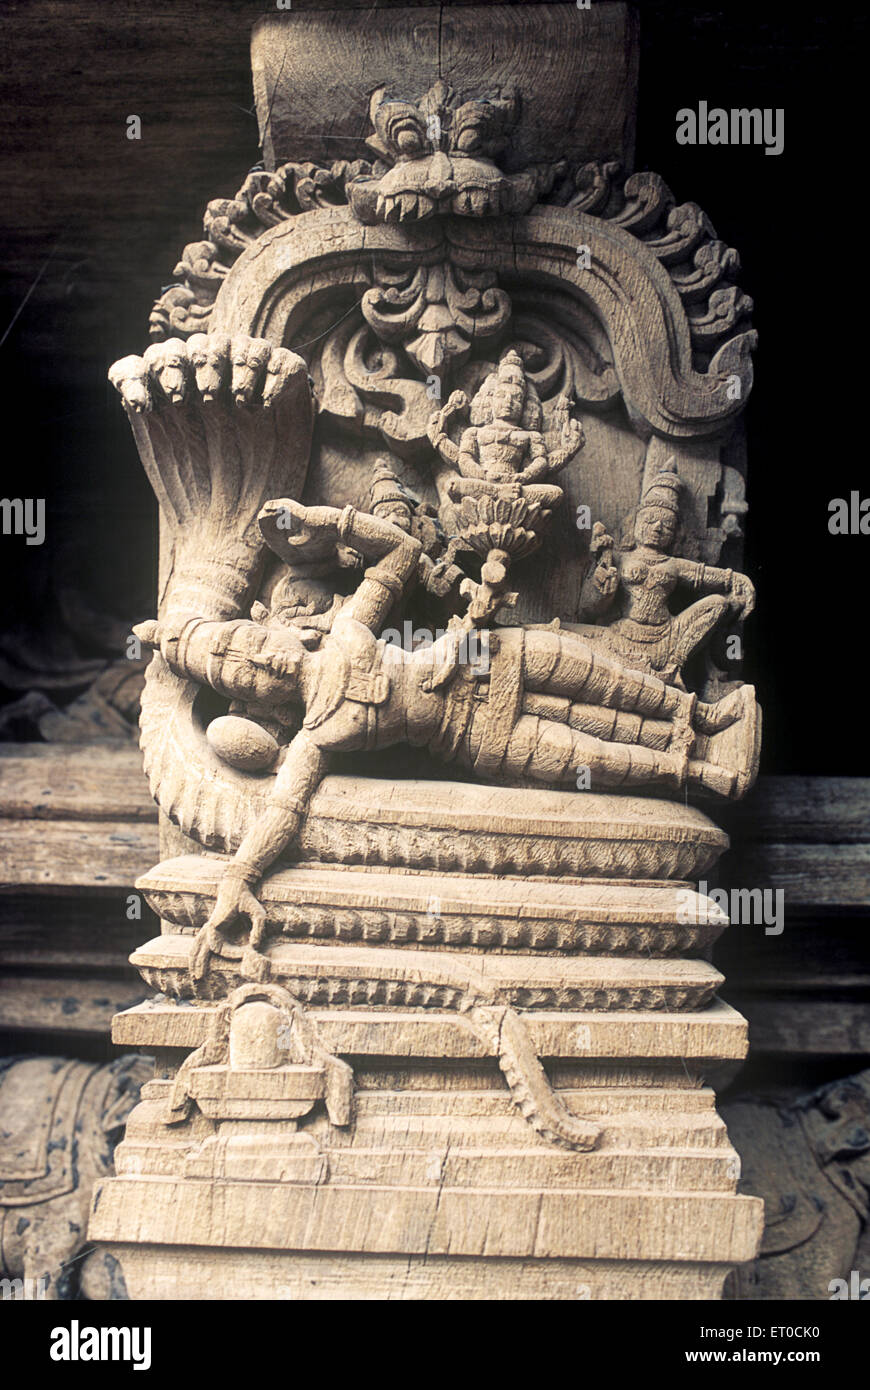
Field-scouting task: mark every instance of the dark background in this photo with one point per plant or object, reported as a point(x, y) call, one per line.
point(94, 224)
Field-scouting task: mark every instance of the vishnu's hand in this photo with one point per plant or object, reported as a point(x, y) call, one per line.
point(295, 532)
point(573, 437)
point(439, 419)
point(234, 900)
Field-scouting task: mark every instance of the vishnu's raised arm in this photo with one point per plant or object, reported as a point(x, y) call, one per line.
point(437, 430)
point(291, 529)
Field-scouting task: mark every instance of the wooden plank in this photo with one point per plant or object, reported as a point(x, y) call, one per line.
point(74, 856)
point(52, 933)
point(832, 953)
point(812, 877)
point(804, 1027)
point(47, 781)
point(66, 1003)
point(814, 810)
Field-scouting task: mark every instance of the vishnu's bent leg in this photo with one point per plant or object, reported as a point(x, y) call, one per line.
point(612, 725)
point(551, 752)
point(561, 663)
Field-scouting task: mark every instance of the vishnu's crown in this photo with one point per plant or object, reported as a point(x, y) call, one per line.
point(511, 369)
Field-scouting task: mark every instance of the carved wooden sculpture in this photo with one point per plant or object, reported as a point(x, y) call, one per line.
point(61, 1121)
point(809, 1158)
point(429, 1012)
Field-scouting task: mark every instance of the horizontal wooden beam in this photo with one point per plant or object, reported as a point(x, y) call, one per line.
point(812, 877)
point(66, 1004)
point(813, 810)
point(74, 856)
point(83, 933)
point(50, 781)
point(804, 1027)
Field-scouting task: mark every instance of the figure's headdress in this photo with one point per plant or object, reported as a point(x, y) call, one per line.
point(664, 489)
point(510, 370)
point(386, 490)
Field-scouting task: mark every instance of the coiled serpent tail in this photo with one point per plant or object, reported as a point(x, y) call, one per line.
point(502, 1029)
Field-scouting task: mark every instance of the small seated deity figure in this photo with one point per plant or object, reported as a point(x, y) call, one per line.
point(640, 580)
point(503, 451)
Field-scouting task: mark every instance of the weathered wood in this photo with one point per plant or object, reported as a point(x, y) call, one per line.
point(49, 854)
point(803, 958)
point(60, 1122)
point(547, 312)
point(441, 980)
point(717, 1033)
point(96, 782)
point(802, 1026)
point(813, 877)
point(47, 781)
point(74, 856)
point(51, 933)
point(809, 810)
point(314, 77)
point(806, 836)
point(68, 1004)
point(789, 867)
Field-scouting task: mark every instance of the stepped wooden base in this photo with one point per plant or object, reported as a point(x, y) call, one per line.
point(440, 1188)
point(486, 1076)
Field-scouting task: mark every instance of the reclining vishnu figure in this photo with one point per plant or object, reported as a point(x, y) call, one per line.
point(547, 706)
